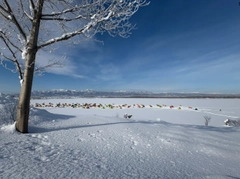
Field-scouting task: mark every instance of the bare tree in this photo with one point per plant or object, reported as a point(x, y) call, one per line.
point(8, 111)
point(28, 26)
point(207, 120)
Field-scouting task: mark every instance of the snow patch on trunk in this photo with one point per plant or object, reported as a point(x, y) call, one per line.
point(24, 52)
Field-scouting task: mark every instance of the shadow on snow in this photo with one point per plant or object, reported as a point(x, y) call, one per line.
point(38, 116)
point(48, 117)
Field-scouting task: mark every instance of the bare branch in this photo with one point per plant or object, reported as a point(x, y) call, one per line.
point(106, 16)
point(14, 58)
point(70, 10)
point(32, 5)
point(26, 14)
point(14, 20)
point(5, 10)
point(6, 39)
point(61, 38)
point(63, 19)
point(6, 43)
point(50, 65)
point(7, 17)
point(7, 58)
point(60, 13)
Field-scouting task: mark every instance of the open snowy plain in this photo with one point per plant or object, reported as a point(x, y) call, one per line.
point(89, 138)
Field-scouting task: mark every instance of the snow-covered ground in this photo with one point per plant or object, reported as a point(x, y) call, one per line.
point(156, 142)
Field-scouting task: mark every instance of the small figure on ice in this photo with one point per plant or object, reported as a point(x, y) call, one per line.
point(127, 115)
point(231, 122)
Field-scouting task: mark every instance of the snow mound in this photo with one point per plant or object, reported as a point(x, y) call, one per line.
point(9, 128)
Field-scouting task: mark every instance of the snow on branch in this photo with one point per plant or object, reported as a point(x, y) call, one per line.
point(31, 6)
point(7, 41)
point(108, 16)
point(9, 15)
point(60, 13)
point(5, 13)
point(65, 36)
point(11, 48)
point(76, 8)
point(97, 17)
point(63, 19)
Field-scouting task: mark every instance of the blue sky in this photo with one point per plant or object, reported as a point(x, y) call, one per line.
point(178, 46)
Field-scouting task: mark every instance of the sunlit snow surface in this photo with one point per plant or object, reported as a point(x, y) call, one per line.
point(156, 142)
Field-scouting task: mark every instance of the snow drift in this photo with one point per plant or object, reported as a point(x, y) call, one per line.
point(67, 142)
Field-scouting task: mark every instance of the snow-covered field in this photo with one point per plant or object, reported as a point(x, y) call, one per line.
point(156, 142)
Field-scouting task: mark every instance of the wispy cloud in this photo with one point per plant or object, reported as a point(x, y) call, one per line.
point(72, 62)
point(66, 67)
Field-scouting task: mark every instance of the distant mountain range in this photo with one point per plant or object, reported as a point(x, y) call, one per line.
point(60, 93)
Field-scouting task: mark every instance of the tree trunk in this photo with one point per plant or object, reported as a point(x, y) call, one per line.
point(25, 95)
point(26, 89)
